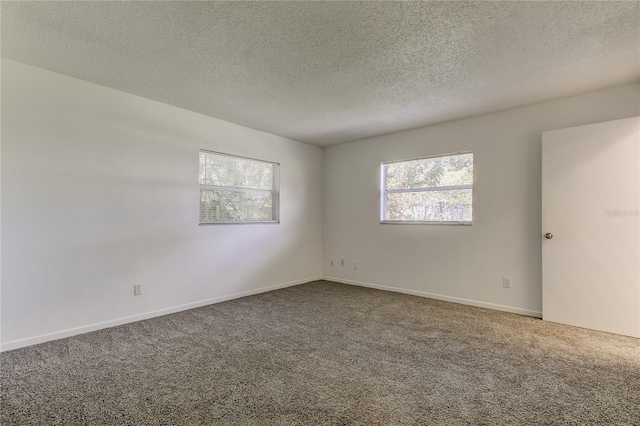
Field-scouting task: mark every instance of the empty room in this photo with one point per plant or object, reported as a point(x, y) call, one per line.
point(320, 213)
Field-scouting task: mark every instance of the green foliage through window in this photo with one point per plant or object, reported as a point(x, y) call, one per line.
point(237, 190)
point(434, 189)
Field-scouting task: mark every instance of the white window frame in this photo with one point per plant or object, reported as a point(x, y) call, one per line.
point(384, 191)
point(275, 192)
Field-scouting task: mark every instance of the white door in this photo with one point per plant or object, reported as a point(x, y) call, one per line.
point(590, 202)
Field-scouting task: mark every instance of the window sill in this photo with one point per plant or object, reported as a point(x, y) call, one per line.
point(417, 222)
point(266, 222)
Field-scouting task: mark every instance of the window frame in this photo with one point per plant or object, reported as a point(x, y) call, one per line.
point(384, 191)
point(275, 191)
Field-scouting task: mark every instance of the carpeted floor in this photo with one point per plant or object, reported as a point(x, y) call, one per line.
point(329, 354)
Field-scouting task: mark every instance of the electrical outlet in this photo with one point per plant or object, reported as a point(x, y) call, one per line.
point(331, 262)
point(506, 282)
point(137, 289)
point(341, 262)
point(355, 265)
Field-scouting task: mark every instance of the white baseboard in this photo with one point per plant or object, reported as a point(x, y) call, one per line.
point(476, 303)
point(20, 343)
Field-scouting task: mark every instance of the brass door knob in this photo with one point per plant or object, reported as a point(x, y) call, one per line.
point(548, 235)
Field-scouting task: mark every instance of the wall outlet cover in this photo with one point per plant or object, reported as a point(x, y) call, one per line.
point(506, 282)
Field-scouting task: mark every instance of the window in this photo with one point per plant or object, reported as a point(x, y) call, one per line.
point(428, 190)
point(237, 189)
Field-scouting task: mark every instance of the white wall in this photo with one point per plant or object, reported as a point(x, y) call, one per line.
point(100, 192)
point(459, 263)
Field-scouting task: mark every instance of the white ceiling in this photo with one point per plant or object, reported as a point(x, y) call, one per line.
point(331, 72)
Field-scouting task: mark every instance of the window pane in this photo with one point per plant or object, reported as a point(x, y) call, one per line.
point(203, 168)
point(431, 172)
point(436, 206)
point(223, 170)
point(229, 206)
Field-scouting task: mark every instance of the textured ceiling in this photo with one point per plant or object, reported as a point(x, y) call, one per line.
point(331, 72)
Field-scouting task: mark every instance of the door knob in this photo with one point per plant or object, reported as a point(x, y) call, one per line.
point(548, 235)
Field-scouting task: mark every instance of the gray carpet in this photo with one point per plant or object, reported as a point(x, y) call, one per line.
point(329, 354)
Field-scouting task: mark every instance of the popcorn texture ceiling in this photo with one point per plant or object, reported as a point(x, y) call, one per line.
point(332, 72)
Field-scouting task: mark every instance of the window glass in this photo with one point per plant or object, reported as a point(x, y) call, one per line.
point(428, 190)
point(237, 189)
